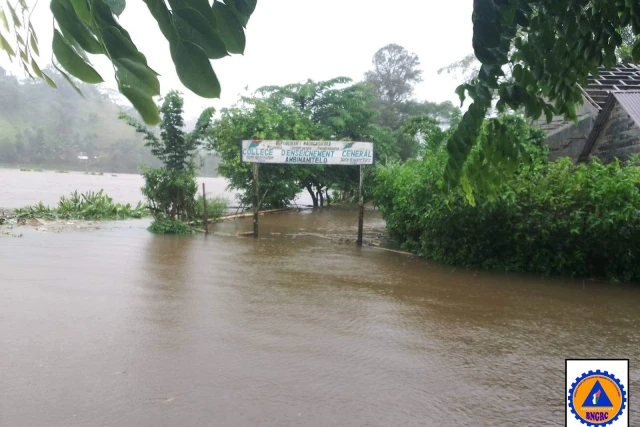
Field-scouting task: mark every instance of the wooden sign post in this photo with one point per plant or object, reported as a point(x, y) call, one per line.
point(256, 200)
point(360, 206)
point(327, 153)
point(204, 210)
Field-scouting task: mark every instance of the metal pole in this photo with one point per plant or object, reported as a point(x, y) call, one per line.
point(256, 200)
point(360, 206)
point(206, 215)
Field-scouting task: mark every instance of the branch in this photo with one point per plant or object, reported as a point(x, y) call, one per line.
point(149, 136)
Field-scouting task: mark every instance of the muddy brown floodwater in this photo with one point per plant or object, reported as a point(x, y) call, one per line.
point(118, 327)
point(18, 189)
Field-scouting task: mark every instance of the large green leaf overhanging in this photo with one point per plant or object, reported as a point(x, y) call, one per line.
point(551, 46)
point(197, 31)
point(72, 61)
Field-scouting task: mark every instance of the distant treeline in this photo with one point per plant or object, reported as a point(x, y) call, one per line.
point(51, 128)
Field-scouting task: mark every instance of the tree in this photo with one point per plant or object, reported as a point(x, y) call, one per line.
point(395, 73)
point(196, 31)
point(328, 110)
point(171, 190)
point(466, 69)
point(393, 78)
point(427, 133)
point(550, 46)
point(625, 52)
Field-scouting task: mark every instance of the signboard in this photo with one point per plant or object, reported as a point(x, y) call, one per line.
point(308, 152)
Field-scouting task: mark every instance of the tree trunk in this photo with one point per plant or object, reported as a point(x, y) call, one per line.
point(313, 195)
point(326, 191)
point(321, 197)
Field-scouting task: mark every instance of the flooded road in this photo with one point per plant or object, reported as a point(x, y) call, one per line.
point(118, 327)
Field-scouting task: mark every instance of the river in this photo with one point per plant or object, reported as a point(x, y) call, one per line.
point(18, 189)
point(119, 327)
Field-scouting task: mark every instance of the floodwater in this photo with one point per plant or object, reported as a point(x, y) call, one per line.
point(18, 189)
point(119, 327)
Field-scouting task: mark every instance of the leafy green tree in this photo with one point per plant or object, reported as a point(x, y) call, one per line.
point(426, 133)
point(393, 79)
point(625, 52)
point(549, 46)
point(196, 31)
point(546, 217)
point(329, 110)
point(171, 190)
point(395, 73)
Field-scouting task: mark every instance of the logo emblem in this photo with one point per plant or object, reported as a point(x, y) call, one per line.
point(348, 145)
point(597, 398)
point(254, 144)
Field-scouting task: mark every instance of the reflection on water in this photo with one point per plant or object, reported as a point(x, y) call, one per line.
point(118, 327)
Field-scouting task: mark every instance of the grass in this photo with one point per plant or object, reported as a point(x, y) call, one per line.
point(90, 205)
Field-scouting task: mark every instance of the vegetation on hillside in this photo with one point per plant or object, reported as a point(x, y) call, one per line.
point(44, 128)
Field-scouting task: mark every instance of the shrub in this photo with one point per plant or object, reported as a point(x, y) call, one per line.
point(170, 194)
point(90, 205)
point(550, 218)
point(167, 226)
point(171, 189)
point(216, 207)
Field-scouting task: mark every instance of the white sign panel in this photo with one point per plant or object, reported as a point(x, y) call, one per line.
point(308, 152)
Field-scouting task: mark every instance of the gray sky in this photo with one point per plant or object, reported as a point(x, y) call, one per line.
point(293, 40)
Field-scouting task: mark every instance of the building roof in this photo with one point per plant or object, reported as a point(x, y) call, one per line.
point(622, 78)
point(629, 100)
point(618, 79)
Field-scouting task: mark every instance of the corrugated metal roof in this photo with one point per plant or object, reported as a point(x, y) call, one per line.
point(622, 78)
point(628, 100)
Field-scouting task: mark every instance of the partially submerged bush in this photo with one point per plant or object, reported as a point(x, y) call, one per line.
point(90, 205)
point(167, 226)
point(170, 194)
point(550, 218)
point(216, 207)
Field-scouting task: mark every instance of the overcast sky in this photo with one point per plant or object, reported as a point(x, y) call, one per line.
point(294, 40)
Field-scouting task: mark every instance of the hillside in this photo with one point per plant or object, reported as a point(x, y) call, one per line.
point(49, 128)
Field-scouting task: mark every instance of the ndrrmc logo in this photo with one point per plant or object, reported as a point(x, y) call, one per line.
point(597, 393)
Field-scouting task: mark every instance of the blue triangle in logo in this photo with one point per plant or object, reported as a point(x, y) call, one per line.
point(597, 397)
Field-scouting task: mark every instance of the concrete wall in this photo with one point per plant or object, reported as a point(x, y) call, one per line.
point(569, 140)
point(566, 139)
point(620, 137)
